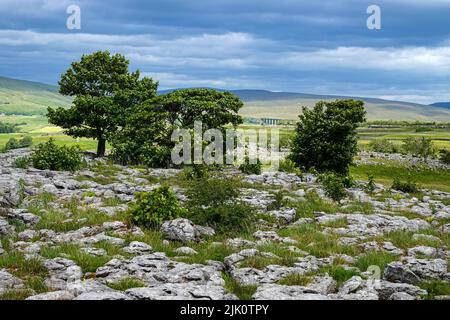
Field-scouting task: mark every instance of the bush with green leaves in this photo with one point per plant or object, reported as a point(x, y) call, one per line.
point(326, 137)
point(26, 142)
point(420, 147)
point(8, 127)
point(370, 186)
point(13, 143)
point(196, 171)
point(383, 145)
point(334, 185)
point(153, 208)
point(409, 185)
point(445, 156)
point(289, 166)
point(251, 166)
point(49, 156)
point(279, 201)
point(22, 162)
point(214, 202)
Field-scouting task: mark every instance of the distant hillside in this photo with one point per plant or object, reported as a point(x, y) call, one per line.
point(31, 98)
point(28, 98)
point(441, 105)
point(287, 105)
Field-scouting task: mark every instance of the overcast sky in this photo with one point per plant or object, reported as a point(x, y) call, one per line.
point(321, 47)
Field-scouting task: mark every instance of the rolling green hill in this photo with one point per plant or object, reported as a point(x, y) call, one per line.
point(285, 105)
point(31, 98)
point(21, 97)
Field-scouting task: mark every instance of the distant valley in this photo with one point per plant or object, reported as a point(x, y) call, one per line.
point(32, 98)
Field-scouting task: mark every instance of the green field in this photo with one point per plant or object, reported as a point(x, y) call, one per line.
point(41, 130)
point(38, 128)
point(376, 110)
point(28, 98)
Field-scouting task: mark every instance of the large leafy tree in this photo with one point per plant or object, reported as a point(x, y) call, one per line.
point(146, 136)
point(214, 108)
point(325, 137)
point(104, 91)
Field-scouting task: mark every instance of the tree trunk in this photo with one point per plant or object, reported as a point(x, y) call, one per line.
point(101, 147)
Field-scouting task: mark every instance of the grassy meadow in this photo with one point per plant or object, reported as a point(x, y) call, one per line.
point(40, 130)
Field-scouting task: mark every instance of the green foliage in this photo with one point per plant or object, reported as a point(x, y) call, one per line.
point(196, 171)
point(146, 137)
point(126, 283)
point(423, 129)
point(445, 156)
point(325, 136)
point(22, 162)
point(436, 288)
point(296, 279)
point(334, 185)
point(49, 156)
point(383, 145)
point(214, 202)
point(421, 147)
point(243, 292)
point(104, 91)
point(153, 208)
point(213, 108)
point(7, 127)
point(278, 202)
point(289, 166)
point(26, 142)
point(13, 143)
point(339, 273)
point(251, 166)
point(375, 258)
point(370, 186)
point(409, 185)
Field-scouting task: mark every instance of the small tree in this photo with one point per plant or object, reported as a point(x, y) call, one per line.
point(325, 137)
point(104, 91)
point(420, 147)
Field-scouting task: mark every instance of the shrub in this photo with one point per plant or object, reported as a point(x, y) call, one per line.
point(8, 127)
point(370, 186)
point(278, 203)
point(445, 156)
point(22, 162)
point(419, 147)
point(49, 156)
point(289, 166)
point(423, 129)
point(13, 143)
point(153, 208)
point(326, 137)
point(383, 145)
point(26, 142)
point(229, 218)
point(435, 288)
point(409, 185)
point(196, 171)
point(214, 202)
point(250, 168)
point(334, 185)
